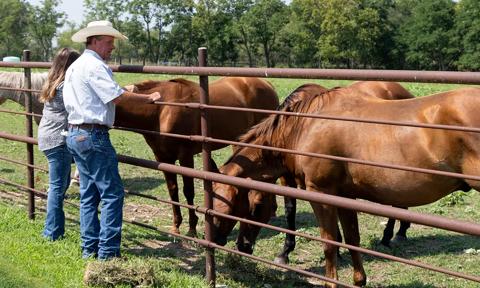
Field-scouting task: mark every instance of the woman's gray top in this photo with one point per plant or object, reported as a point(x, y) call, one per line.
point(54, 121)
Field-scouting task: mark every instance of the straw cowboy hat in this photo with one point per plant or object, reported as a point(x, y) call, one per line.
point(96, 28)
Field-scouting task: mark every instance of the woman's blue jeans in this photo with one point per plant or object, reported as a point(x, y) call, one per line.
point(59, 165)
point(100, 183)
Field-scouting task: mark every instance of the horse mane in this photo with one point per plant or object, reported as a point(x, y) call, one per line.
point(294, 96)
point(183, 81)
point(295, 102)
point(147, 84)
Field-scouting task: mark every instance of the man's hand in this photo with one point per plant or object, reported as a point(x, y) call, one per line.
point(155, 96)
point(132, 97)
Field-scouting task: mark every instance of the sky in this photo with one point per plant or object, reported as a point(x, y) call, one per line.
point(72, 8)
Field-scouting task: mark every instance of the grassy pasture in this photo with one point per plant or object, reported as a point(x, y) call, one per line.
point(28, 261)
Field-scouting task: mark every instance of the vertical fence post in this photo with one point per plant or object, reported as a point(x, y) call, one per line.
point(206, 155)
point(29, 133)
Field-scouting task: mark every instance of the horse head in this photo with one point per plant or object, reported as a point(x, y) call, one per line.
point(252, 164)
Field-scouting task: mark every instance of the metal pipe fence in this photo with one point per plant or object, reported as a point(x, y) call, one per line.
point(372, 208)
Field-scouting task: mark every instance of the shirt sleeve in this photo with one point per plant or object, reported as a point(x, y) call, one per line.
point(101, 81)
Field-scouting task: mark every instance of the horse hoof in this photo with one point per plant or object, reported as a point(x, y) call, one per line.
point(385, 243)
point(399, 238)
point(360, 279)
point(174, 230)
point(192, 233)
point(281, 260)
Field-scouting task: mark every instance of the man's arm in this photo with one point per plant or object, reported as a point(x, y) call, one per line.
point(128, 96)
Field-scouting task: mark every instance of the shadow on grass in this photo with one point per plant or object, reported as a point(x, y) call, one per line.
point(252, 274)
point(426, 246)
point(192, 261)
point(415, 284)
point(304, 220)
point(7, 170)
point(141, 184)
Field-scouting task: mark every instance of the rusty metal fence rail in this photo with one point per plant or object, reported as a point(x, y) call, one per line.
point(372, 208)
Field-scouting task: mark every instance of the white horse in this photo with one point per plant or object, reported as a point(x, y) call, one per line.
point(17, 80)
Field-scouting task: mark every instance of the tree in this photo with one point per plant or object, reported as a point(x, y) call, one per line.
point(183, 40)
point(44, 22)
point(136, 38)
point(264, 20)
point(65, 38)
point(13, 27)
point(350, 32)
point(214, 22)
point(243, 30)
point(467, 31)
point(299, 37)
point(428, 35)
point(155, 17)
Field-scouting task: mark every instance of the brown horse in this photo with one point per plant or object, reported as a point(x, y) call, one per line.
point(232, 91)
point(443, 150)
point(379, 89)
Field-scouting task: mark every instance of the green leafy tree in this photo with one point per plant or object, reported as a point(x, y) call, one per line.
point(243, 30)
point(393, 14)
point(264, 20)
point(65, 37)
point(155, 16)
point(44, 21)
point(214, 22)
point(137, 38)
point(183, 40)
point(428, 35)
point(13, 27)
point(467, 34)
point(350, 32)
point(299, 37)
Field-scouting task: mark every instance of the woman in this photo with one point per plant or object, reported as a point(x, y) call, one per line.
point(51, 141)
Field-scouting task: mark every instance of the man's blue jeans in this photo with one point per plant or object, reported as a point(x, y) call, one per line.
point(100, 183)
point(59, 165)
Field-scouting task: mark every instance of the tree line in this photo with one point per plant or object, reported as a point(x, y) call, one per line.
point(381, 34)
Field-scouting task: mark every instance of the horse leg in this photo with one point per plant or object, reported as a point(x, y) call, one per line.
point(172, 185)
point(289, 245)
point(349, 221)
point(402, 231)
point(189, 192)
point(290, 215)
point(388, 232)
point(327, 218)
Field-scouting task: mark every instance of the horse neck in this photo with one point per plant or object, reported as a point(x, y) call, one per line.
point(16, 80)
point(139, 116)
point(255, 164)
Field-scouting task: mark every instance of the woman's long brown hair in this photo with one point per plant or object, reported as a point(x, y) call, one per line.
point(56, 75)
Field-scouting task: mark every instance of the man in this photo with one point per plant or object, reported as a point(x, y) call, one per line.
point(90, 95)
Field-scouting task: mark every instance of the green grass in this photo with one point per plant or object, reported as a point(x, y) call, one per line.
point(26, 260)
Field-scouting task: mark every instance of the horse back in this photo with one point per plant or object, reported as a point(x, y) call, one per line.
point(436, 149)
point(243, 92)
point(383, 89)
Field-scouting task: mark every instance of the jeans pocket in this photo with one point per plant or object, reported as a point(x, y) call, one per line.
point(81, 142)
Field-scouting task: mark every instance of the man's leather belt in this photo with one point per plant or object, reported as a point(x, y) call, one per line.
point(87, 126)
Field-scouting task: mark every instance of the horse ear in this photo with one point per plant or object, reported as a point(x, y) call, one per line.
point(213, 166)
